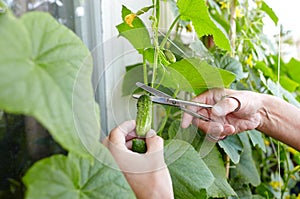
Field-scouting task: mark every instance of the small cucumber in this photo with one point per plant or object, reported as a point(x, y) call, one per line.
point(139, 145)
point(144, 115)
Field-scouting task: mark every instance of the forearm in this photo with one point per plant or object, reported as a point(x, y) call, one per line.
point(280, 120)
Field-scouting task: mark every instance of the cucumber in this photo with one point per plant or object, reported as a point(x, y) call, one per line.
point(144, 115)
point(139, 145)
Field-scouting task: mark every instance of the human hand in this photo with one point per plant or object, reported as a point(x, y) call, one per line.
point(227, 120)
point(146, 173)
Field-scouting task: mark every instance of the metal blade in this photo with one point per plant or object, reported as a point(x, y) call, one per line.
point(155, 99)
point(152, 90)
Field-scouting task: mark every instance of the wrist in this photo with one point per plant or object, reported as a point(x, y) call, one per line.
point(263, 111)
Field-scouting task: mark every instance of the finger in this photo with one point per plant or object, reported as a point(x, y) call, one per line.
point(118, 134)
point(188, 118)
point(129, 144)
point(150, 133)
point(225, 106)
point(154, 143)
point(127, 127)
point(215, 128)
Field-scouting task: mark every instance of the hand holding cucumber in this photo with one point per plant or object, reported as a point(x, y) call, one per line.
point(142, 171)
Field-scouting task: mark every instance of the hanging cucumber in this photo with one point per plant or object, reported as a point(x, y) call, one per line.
point(143, 122)
point(144, 115)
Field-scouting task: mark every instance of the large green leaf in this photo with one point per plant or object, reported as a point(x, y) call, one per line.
point(246, 168)
point(73, 177)
point(197, 12)
point(220, 187)
point(190, 175)
point(193, 75)
point(137, 35)
point(233, 147)
point(41, 61)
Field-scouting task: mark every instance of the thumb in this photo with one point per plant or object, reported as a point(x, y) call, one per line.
point(225, 106)
point(154, 143)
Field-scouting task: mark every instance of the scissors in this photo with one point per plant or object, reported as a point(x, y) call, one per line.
point(163, 98)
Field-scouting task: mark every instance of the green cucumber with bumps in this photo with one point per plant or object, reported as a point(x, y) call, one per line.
point(139, 145)
point(144, 115)
point(143, 123)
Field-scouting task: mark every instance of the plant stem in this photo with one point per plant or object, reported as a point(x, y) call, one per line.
point(162, 126)
point(232, 31)
point(164, 41)
point(155, 39)
point(145, 69)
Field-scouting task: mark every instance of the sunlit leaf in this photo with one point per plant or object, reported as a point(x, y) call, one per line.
point(293, 69)
point(270, 12)
point(193, 75)
point(41, 64)
point(137, 35)
point(197, 12)
point(288, 84)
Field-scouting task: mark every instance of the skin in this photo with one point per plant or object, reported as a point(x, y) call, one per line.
point(268, 114)
point(147, 174)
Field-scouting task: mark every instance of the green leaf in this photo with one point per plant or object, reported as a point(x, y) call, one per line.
point(134, 73)
point(137, 35)
point(230, 64)
point(41, 64)
point(269, 12)
point(257, 139)
point(197, 12)
point(220, 188)
point(293, 69)
point(267, 71)
point(73, 177)
point(288, 84)
point(190, 175)
point(193, 75)
point(233, 147)
point(190, 134)
point(246, 167)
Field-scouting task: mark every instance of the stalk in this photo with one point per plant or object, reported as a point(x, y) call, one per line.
point(155, 39)
point(232, 37)
point(164, 41)
point(145, 69)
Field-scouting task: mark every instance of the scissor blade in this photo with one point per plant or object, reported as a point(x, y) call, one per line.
point(152, 90)
point(157, 99)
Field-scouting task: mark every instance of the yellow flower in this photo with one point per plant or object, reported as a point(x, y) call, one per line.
point(276, 184)
point(129, 19)
point(258, 3)
point(267, 143)
point(224, 4)
point(298, 197)
point(249, 61)
point(287, 197)
point(238, 13)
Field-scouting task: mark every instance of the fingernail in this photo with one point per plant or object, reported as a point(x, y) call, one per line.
point(150, 133)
